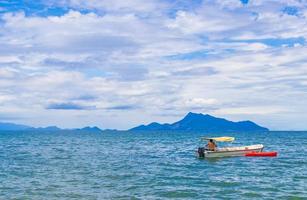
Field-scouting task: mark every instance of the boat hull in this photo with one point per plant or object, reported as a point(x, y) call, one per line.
point(262, 154)
point(230, 151)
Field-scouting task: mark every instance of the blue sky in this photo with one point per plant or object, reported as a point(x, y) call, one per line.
point(117, 64)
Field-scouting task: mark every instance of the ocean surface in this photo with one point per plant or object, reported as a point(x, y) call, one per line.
point(74, 165)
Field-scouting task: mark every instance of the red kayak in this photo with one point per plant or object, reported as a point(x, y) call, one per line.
point(262, 154)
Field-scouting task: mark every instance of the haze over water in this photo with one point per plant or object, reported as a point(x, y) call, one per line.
point(118, 165)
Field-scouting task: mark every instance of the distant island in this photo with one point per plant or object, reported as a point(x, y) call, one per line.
point(205, 123)
point(191, 122)
point(19, 127)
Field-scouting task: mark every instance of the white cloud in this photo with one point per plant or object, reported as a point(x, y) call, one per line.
point(257, 110)
point(229, 4)
point(6, 73)
point(199, 103)
point(208, 20)
point(152, 67)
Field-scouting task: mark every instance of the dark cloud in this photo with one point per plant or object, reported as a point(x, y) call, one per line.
point(196, 72)
point(97, 67)
point(68, 106)
point(10, 117)
point(130, 72)
point(61, 63)
point(87, 43)
point(123, 107)
point(85, 97)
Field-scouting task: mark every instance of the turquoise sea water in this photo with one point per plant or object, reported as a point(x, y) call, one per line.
point(147, 166)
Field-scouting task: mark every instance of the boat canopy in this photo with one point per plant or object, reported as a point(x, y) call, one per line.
point(220, 139)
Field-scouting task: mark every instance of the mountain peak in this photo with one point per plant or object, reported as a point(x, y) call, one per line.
point(194, 114)
point(90, 129)
point(203, 122)
point(197, 115)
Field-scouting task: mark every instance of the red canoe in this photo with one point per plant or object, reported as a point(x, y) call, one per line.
point(262, 154)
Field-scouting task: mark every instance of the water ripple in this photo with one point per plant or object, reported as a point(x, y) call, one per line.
point(147, 166)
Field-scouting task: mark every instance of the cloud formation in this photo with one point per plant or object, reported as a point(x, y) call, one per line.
point(68, 106)
point(76, 63)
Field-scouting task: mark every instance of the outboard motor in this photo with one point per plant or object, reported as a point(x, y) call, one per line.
point(201, 152)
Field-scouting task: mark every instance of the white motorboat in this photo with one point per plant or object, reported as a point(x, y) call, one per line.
point(203, 152)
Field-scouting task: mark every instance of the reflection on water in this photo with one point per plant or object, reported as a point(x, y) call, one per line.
point(215, 160)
